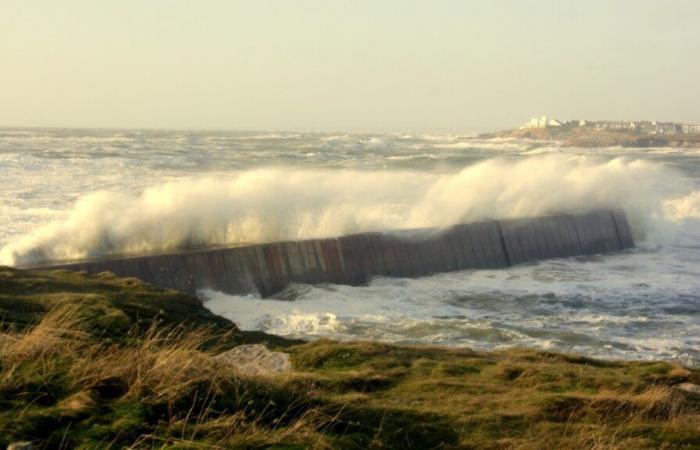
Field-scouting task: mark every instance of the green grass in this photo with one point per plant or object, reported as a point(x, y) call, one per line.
point(104, 362)
point(111, 306)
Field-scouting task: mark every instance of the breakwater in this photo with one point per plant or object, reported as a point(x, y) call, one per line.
point(353, 259)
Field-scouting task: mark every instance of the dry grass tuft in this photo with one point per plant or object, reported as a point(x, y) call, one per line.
point(160, 390)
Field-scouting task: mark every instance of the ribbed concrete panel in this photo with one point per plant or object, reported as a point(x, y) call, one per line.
point(539, 240)
point(585, 243)
point(508, 235)
point(297, 269)
point(416, 260)
point(423, 255)
point(276, 262)
point(320, 257)
point(202, 266)
point(596, 232)
point(453, 240)
point(482, 245)
point(334, 267)
point(463, 239)
point(573, 246)
point(313, 268)
point(490, 244)
point(385, 249)
point(341, 259)
point(234, 263)
point(257, 268)
point(623, 229)
point(609, 231)
point(277, 265)
point(499, 257)
point(479, 246)
point(403, 260)
point(591, 235)
point(571, 241)
point(596, 222)
point(539, 243)
point(515, 236)
point(528, 249)
point(557, 238)
point(435, 249)
point(451, 253)
point(573, 232)
point(375, 252)
point(472, 237)
point(355, 258)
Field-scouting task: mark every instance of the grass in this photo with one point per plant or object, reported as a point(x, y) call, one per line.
point(103, 362)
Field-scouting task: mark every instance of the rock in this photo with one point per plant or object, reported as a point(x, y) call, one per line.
point(24, 445)
point(256, 359)
point(689, 388)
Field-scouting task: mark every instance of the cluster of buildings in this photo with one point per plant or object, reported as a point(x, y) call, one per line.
point(642, 126)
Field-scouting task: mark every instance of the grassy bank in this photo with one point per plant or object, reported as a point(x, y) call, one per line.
point(104, 362)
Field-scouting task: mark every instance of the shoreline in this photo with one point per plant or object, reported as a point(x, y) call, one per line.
point(592, 138)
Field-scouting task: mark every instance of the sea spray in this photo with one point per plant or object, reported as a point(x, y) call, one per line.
point(276, 204)
point(643, 303)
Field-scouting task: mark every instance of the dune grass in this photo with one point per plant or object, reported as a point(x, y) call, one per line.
point(103, 362)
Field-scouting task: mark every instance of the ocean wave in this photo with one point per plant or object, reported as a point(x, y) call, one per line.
point(265, 205)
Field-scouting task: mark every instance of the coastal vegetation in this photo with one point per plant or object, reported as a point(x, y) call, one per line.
point(107, 362)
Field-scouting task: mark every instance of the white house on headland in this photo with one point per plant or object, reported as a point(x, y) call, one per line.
point(541, 122)
point(691, 127)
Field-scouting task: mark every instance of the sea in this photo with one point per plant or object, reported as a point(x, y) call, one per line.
point(74, 193)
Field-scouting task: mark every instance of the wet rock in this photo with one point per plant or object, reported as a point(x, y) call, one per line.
point(256, 359)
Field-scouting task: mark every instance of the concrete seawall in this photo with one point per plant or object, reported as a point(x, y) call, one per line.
point(353, 259)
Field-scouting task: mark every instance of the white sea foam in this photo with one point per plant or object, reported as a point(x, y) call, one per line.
point(684, 208)
point(626, 305)
point(71, 193)
point(274, 204)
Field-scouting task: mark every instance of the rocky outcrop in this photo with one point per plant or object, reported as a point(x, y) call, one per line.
point(255, 359)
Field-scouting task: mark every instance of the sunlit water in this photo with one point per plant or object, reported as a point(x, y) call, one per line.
point(641, 304)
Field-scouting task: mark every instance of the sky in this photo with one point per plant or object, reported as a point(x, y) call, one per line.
point(322, 65)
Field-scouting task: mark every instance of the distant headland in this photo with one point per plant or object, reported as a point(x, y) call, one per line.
point(606, 133)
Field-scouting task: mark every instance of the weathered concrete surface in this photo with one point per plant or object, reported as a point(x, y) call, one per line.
point(354, 259)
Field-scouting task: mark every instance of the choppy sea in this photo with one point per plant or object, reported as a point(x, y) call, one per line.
point(76, 193)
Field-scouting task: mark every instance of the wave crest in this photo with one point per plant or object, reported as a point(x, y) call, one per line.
point(278, 204)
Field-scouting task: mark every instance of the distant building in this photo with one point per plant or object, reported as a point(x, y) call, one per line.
point(640, 126)
point(541, 122)
point(691, 127)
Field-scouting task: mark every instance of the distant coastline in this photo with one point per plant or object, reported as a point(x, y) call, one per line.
point(583, 133)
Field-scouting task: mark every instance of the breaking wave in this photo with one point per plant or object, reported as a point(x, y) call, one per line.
point(277, 204)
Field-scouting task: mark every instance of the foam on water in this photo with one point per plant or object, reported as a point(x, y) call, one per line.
point(263, 205)
point(78, 192)
point(639, 305)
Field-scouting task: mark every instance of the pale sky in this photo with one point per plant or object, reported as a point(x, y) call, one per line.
point(345, 65)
